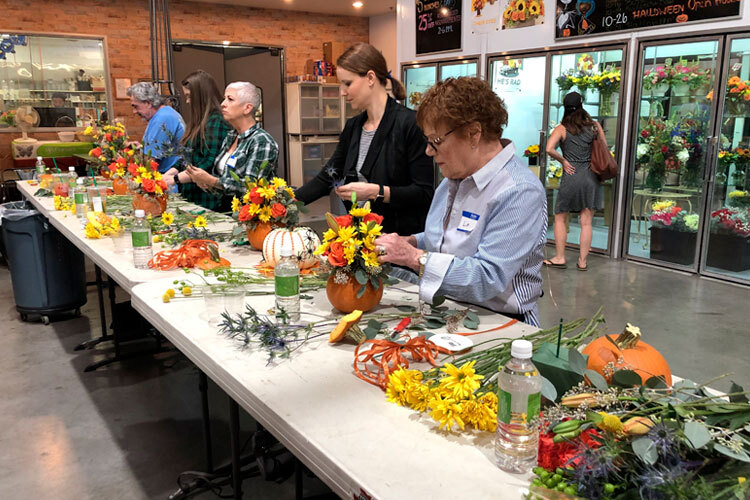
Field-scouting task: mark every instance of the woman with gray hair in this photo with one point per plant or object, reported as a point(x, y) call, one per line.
point(248, 150)
point(165, 125)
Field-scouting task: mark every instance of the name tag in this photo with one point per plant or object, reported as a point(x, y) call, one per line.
point(468, 222)
point(231, 162)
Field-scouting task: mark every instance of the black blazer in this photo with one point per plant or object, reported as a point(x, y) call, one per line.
point(396, 158)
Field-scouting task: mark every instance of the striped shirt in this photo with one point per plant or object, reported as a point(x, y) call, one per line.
point(254, 147)
point(364, 146)
point(486, 235)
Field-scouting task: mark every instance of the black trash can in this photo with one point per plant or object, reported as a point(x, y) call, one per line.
point(46, 269)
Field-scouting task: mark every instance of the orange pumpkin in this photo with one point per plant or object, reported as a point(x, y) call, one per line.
point(256, 235)
point(119, 185)
point(150, 204)
point(627, 352)
point(343, 296)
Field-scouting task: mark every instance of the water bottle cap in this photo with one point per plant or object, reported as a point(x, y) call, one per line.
point(38, 158)
point(71, 169)
point(79, 181)
point(286, 252)
point(140, 213)
point(521, 349)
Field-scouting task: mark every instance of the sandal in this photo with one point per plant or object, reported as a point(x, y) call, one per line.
point(584, 268)
point(549, 263)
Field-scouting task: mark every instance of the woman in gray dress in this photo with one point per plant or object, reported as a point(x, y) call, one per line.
point(580, 190)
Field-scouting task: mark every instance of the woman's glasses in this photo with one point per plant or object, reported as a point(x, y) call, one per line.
point(437, 141)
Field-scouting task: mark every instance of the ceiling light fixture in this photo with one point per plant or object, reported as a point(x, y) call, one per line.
point(357, 4)
point(226, 42)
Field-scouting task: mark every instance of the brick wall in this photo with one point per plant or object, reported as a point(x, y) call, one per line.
point(125, 24)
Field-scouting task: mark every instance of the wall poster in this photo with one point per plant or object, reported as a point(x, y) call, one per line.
point(575, 18)
point(485, 16)
point(522, 13)
point(438, 26)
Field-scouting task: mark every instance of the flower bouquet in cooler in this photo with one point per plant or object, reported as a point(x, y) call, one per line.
point(264, 206)
point(661, 149)
point(357, 277)
point(667, 215)
point(532, 153)
point(734, 221)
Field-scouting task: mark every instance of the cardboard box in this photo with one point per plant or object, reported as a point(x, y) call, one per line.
point(332, 51)
point(309, 67)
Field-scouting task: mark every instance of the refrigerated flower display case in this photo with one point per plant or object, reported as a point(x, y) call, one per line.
point(419, 77)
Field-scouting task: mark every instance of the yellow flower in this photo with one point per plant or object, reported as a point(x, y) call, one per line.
point(350, 250)
point(329, 235)
point(245, 198)
point(170, 292)
point(130, 152)
point(157, 238)
point(534, 148)
point(267, 192)
point(167, 218)
point(57, 200)
point(200, 221)
point(289, 191)
point(91, 232)
point(490, 400)
point(102, 158)
point(157, 176)
point(369, 242)
point(398, 382)
point(738, 194)
point(345, 233)
point(375, 231)
point(235, 204)
point(278, 182)
point(370, 258)
point(323, 248)
point(187, 291)
point(190, 224)
point(462, 382)
point(417, 396)
point(508, 12)
point(475, 413)
point(165, 298)
point(359, 211)
point(88, 130)
point(115, 224)
point(610, 423)
point(446, 411)
point(521, 5)
point(265, 214)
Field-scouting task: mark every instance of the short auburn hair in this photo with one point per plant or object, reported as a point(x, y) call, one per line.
point(459, 101)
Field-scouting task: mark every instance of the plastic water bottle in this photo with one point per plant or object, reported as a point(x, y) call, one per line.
point(141, 235)
point(519, 400)
point(81, 198)
point(39, 169)
point(286, 279)
point(72, 176)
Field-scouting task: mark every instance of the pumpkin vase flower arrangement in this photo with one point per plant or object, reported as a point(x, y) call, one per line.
point(147, 185)
point(357, 277)
point(266, 204)
point(111, 154)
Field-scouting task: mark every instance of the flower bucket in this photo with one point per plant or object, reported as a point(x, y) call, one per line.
point(151, 204)
point(672, 246)
point(258, 234)
point(343, 296)
point(119, 185)
point(730, 252)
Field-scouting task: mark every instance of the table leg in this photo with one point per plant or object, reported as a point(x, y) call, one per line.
point(105, 336)
point(234, 431)
point(203, 388)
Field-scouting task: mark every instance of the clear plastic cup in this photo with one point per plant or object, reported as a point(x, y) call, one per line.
point(122, 241)
point(97, 194)
point(213, 299)
point(234, 300)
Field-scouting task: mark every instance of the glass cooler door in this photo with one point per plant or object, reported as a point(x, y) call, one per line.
point(417, 79)
point(467, 67)
point(671, 143)
point(596, 76)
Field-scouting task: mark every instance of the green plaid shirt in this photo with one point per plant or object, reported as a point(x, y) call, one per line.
point(254, 147)
point(203, 156)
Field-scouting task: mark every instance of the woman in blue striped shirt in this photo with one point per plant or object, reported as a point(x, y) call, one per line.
point(486, 228)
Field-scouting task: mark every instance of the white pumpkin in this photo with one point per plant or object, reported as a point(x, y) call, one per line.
point(301, 240)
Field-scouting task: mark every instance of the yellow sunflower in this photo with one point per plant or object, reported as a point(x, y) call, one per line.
point(508, 12)
point(446, 411)
point(265, 214)
point(167, 218)
point(534, 8)
point(235, 204)
point(359, 211)
point(521, 6)
point(200, 221)
point(370, 258)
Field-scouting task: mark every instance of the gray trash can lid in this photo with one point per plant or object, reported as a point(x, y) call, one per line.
point(17, 210)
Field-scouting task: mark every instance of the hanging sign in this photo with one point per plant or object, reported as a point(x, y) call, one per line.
point(485, 16)
point(576, 18)
point(438, 25)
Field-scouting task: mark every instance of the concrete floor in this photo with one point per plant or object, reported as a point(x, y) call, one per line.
point(126, 431)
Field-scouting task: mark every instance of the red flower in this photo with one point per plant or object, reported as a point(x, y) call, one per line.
point(664, 149)
point(112, 167)
point(644, 133)
point(373, 217)
point(244, 213)
point(107, 137)
point(255, 197)
point(278, 210)
point(336, 254)
point(121, 161)
point(148, 185)
point(154, 165)
point(553, 455)
point(133, 169)
point(162, 184)
point(344, 220)
point(97, 152)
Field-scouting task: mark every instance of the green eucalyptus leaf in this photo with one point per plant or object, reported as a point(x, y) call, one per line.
point(597, 380)
point(434, 317)
point(360, 276)
point(645, 449)
point(373, 323)
point(738, 455)
point(656, 382)
point(437, 300)
point(361, 291)
point(626, 378)
point(576, 361)
point(548, 389)
point(433, 324)
point(390, 281)
point(375, 282)
point(471, 324)
point(415, 327)
point(697, 434)
point(739, 420)
point(471, 315)
point(427, 335)
point(406, 308)
point(737, 398)
point(370, 333)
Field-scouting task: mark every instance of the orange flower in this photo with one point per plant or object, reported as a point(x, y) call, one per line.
point(514, 16)
point(336, 255)
point(747, 97)
point(742, 85)
point(734, 80)
point(278, 210)
point(148, 185)
point(734, 90)
point(522, 16)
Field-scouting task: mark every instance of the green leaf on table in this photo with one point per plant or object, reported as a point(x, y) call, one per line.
point(373, 323)
point(370, 333)
point(697, 434)
point(304, 296)
point(361, 291)
point(427, 335)
point(739, 420)
point(576, 361)
point(406, 308)
point(737, 455)
point(597, 380)
point(238, 231)
point(360, 276)
point(626, 378)
point(435, 317)
point(645, 449)
point(471, 315)
point(737, 398)
point(415, 327)
point(548, 389)
point(437, 300)
point(434, 324)
point(471, 324)
point(656, 382)
point(391, 281)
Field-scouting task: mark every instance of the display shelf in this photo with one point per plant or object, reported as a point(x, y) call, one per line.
point(68, 91)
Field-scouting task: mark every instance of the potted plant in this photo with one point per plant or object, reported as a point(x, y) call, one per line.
point(357, 278)
point(532, 153)
point(729, 240)
point(266, 205)
point(673, 233)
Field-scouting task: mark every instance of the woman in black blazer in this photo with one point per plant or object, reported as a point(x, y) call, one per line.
point(381, 152)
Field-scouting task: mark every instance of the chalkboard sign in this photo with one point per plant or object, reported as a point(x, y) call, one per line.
point(438, 25)
point(576, 18)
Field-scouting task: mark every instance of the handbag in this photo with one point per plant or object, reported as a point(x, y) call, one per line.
point(602, 162)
